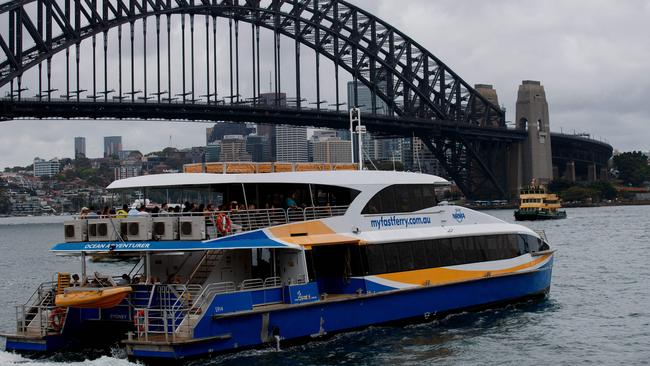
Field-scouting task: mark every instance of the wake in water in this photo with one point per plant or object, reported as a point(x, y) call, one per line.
point(9, 359)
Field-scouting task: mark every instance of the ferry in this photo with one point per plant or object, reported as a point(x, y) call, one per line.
point(285, 257)
point(535, 203)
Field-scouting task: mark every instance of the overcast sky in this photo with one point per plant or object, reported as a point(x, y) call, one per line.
point(593, 58)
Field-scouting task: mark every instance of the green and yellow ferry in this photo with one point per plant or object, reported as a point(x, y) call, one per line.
point(535, 203)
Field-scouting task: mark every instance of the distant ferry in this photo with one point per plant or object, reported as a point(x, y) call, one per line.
point(535, 203)
point(285, 256)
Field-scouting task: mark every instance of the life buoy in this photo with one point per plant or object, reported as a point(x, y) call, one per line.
point(224, 224)
point(57, 319)
point(138, 320)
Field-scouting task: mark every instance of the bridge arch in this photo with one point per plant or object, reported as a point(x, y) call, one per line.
point(408, 78)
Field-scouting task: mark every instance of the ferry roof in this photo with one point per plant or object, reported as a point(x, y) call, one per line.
point(346, 178)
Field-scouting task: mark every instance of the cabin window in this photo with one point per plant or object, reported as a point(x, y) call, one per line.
point(391, 256)
point(401, 198)
point(433, 253)
point(375, 257)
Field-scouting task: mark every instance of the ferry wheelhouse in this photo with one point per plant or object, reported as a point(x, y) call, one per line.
point(307, 255)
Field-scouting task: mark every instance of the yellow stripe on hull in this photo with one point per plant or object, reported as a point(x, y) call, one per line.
point(439, 276)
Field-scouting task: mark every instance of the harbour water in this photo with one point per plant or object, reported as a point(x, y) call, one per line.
point(598, 311)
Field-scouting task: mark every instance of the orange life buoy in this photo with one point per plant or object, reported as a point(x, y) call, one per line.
point(139, 321)
point(224, 225)
point(57, 319)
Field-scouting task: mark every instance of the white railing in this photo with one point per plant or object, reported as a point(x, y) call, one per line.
point(179, 307)
point(240, 220)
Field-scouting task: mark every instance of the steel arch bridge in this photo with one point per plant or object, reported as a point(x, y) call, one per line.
point(422, 96)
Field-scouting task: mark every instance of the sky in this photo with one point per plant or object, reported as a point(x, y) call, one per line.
point(592, 57)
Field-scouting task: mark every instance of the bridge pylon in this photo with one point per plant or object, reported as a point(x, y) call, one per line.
point(535, 157)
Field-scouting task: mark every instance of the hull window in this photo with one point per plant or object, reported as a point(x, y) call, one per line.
point(432, 253)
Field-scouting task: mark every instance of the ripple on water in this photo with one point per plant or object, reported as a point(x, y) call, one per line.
point(596, 313)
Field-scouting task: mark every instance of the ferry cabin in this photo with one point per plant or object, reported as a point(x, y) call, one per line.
point(356, 248)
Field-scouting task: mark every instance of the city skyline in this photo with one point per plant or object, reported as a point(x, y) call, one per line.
point(545, 42)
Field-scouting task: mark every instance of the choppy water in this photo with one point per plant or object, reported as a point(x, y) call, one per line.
point(598, 311)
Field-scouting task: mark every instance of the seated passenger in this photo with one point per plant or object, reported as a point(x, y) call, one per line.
point(92, 214)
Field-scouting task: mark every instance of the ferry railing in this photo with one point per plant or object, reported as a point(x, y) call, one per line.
point(38, 308)
point(174, 309)
point(240, 220)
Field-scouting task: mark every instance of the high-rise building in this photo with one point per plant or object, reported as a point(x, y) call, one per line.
point(271, 99)
point(127, 171)
point(332, 150)
point(259, 148)
point(291, 144)
point(46, 168)
point(424, 160)
point(221, 129)
point(233, 148)
point(212, 152)
point(112, 145)
point(364, 100)
point(79, 147)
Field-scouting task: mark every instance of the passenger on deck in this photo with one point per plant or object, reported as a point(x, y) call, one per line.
point(84, 213)
point(123, 212)
point(164, 209)
point(142, 211)
point(186, 207)
point(105, 212)
point(291, 201)
point(92, 214)
point(134, 211)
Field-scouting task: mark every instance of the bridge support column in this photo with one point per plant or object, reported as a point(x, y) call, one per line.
point(532, 114)
point(570, 172)
point(591, 173)
point(604, 174)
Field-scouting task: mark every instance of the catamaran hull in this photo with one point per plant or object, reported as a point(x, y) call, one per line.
point(232, 332)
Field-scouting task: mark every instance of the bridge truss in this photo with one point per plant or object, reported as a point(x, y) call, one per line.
point(422, 96)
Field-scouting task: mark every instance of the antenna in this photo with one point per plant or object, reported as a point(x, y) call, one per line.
point(270, 84)
point(170, 140)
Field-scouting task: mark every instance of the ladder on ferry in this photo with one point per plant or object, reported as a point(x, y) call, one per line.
point(205, 266)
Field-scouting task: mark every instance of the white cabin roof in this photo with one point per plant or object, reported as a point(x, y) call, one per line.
point(342, 178)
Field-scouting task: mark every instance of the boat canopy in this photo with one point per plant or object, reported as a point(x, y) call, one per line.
point(251, 240)
point(349, 179)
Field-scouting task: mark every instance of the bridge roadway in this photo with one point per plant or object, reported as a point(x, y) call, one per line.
point(244, 112)
point(582, 151)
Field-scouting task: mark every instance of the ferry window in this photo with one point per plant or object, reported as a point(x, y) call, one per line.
point(382, 202)
point(432, 254)
point(405, 257)
point(445, 252)
point(512, 248)
point(333, 196)
point(420, 254)
point(491, 247)
point(375, 255)
point(522, 247)
point(401, 198)
point(533, 243)
point(391, 256)
point(473, 250)
point(458, 248)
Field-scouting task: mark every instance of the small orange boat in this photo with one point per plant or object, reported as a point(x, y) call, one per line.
point(96, 298)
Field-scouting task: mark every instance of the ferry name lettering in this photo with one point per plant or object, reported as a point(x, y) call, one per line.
point(384, 222)
point(119, 246)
